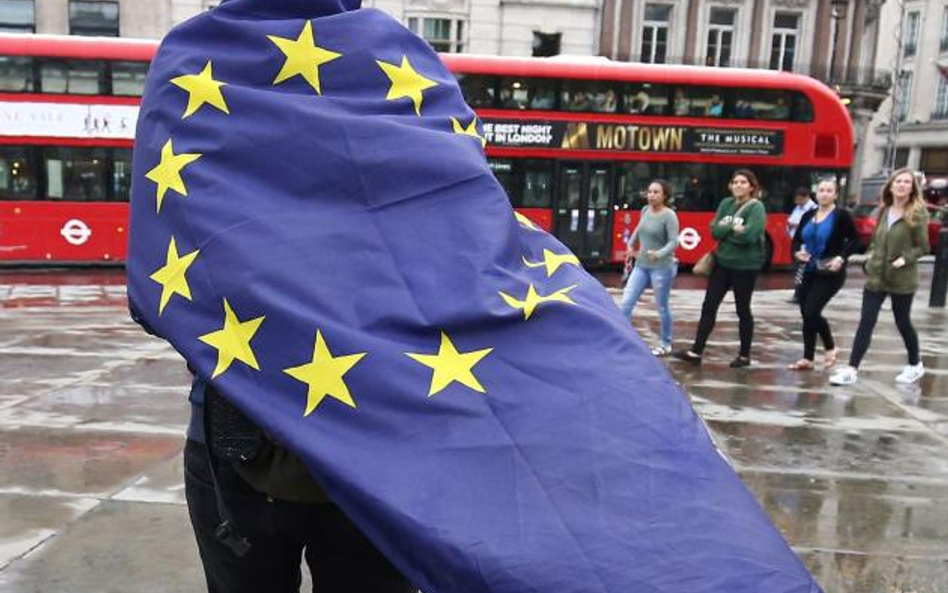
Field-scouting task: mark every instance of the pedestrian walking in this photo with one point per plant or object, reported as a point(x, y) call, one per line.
point(802, 205)
point(655, 264)
point(824, 240)
point(899, 240)
point(738, 227)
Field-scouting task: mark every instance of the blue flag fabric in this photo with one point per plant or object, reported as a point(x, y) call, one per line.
point(316, 230)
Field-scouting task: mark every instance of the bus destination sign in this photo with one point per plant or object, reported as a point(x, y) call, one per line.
point(632, 137)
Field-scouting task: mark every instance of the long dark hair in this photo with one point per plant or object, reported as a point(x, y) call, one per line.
point(666, 190)
point(749, 175)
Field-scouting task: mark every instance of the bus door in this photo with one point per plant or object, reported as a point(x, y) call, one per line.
point(583, 208)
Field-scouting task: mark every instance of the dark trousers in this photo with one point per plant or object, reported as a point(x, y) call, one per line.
point(814, 292)
point(339, 557)
point(901, 309)
point(742, 283)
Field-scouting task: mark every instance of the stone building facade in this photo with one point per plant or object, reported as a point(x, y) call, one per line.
point(920, 111)
point(836, 41)
point(500, 27)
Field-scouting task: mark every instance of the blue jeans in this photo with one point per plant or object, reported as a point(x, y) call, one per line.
point(660, 280)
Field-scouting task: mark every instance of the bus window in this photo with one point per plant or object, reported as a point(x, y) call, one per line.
point(128, 78)
point(778, 185)
point(696, 101)
point(503, 170)
point(77, 174)
point(695, 186)
point(589, 95)
point(767, 104)
point(542, 94)
point(478, 90)
point(82, 77)
point(16, 74)
point(645, 98)
point(53, 77)
point(802, 108)
point(515, 93)
point(17, 173)
point(121, 174)
point(537, 184)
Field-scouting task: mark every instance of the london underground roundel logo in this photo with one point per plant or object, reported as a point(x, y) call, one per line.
point(75, 232)
point(689, 238)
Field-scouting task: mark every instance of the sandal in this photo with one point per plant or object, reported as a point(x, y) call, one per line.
point(803, 364)
point(829, 358)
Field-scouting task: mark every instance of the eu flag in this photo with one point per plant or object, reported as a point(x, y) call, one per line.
point(316, 230)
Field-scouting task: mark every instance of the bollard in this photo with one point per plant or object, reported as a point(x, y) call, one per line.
point(940, 276)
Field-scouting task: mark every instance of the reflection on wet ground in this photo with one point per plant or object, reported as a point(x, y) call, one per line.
point(92, 415)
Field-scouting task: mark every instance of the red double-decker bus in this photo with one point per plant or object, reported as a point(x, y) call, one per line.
point(574, 142)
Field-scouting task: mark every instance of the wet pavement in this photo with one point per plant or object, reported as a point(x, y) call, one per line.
point(93, 411)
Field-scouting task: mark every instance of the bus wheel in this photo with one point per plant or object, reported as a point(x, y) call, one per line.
point(768, 253)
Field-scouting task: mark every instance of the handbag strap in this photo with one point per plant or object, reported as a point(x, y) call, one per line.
point(744, 206)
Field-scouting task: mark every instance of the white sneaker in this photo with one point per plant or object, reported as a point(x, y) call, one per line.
point(846, 375)
point(911, 373)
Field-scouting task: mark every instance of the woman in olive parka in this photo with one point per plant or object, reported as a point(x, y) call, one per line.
point(899, 240)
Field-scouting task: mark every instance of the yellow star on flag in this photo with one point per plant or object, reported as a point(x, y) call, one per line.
point(323, 375)
point(172, 277)
point(449, 366)
point(534, 299)
point(406, 82)
point(202, 88)
point(553, 261)
point(233, 341)
point(525, 222)
point(168, 172)
point(303, 57)
point(470, 130)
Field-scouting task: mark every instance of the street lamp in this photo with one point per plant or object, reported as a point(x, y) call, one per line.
point(838, 12)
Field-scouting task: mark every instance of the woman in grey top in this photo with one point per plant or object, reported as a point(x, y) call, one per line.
point(656, 267)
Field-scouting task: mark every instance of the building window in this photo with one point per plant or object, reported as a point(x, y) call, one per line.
point(901, 158)
point(911, 33)
point(720, 36)
point(904, 94)
point(546, 44)
point(94, 18)
point(784, 47)
point(943, 44)
point(16, 16)
point(940, 109)
point(655, 33)
point(444, 35)
point(934, 161)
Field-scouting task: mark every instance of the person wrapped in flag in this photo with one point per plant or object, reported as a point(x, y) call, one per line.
point(316, 230)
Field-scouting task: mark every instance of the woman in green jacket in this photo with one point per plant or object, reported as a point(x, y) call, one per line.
point(900, 238)
point(738, 228)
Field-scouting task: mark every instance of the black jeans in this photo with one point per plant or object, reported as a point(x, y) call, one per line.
point(814, 292)
point(901, 309)
point(742, 283)
point(339, 557)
